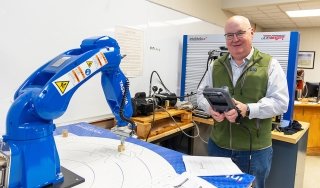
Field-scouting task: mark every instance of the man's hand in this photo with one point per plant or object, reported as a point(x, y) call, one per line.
point(242, 107)
point(216, 115)
point(231, 115)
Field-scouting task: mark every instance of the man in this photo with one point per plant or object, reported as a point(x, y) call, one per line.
point(258, 86)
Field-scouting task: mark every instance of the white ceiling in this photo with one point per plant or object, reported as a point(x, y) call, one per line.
point(274, 16)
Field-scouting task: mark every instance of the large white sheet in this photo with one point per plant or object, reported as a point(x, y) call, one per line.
point(99, 162)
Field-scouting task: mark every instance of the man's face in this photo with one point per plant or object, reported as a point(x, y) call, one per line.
point(238, 39)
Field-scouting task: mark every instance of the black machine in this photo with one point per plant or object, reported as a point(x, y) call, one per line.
point(311, 89)
point(144, 106)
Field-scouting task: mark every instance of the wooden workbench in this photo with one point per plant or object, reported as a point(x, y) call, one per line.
point(310, 112)
point(294, 138)
point(162, 124)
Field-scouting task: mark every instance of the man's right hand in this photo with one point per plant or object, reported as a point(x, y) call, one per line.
point(216, 115)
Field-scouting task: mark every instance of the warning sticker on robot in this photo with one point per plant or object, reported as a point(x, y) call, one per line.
point(101, 59)
point(87, 71)
point(62, 85)
point(75, 76)
point(78, 71)
point(89, 63)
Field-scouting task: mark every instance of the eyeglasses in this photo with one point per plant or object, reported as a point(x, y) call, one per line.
point(239, 34)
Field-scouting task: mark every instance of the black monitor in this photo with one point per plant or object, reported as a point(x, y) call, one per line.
point(311, 89)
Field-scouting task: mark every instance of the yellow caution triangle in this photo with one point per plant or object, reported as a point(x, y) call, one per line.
point(62, 85)
point(89, 63)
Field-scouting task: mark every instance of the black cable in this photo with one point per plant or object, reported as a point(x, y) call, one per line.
point(188, 95)
point(250, 148)
point(150, 83)
point(213, 55)
point(161, 82)
point(124, 98)
point(153, 119)
point(207, 67)
point(123, 101)
point(238, 121)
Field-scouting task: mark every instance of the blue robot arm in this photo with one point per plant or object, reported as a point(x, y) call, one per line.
point(45, 96)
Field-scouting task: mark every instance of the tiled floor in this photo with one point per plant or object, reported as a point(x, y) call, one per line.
point(312, 172)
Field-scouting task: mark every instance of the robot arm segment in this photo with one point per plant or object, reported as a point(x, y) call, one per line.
point(31, 158)
point(45, 95)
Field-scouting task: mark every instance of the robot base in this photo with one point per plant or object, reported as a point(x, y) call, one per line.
point(70, 179)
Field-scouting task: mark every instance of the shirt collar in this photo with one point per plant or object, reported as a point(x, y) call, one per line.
point(250, 54)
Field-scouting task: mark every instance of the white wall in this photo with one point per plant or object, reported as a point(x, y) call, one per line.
point(208, 10)
point(33, 32)
point(309, 41)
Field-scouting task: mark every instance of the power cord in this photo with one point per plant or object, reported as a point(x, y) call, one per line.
point(153, 120)
point(213, 55)
point(155, 88)
point(175, 122)
point(250, 148)
point(161, 82)
point(209, 60)
point(197, 126)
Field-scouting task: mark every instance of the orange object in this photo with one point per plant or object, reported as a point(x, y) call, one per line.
point(300, 79)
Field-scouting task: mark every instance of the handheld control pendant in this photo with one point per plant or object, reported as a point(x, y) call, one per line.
point(221, 101)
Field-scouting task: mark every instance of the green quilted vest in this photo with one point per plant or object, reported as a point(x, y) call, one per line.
point(250, 88)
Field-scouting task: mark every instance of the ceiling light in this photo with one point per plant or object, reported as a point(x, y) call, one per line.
point(304, 13)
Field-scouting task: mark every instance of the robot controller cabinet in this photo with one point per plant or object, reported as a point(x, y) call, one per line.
point(171, 120)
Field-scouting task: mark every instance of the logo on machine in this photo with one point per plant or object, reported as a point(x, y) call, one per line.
point(197, 38)
point(62, 85)
point(272, 37)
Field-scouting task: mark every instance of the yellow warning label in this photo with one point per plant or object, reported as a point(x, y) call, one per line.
point(62, 85)
point(89, 63)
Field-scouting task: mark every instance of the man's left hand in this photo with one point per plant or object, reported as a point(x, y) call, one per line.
point(242, 107)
